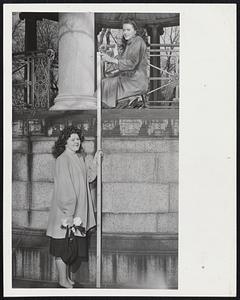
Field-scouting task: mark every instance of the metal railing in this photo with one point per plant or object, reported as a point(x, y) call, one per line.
point(31, 80)
point(34, 85)
point(164, 58)
point(168, 78)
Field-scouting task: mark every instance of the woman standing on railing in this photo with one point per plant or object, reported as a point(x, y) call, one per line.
point(72, 211)
point(132, 79)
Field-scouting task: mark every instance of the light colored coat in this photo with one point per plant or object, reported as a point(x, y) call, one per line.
point(71, 195)
point(132, 79)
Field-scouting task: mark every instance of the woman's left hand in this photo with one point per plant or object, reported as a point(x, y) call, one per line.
point(100, 153)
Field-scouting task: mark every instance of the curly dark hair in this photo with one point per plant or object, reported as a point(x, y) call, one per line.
point(139, 31)
point(59, 146)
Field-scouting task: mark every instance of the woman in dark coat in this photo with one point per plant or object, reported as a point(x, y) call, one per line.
point(71, 202)
point(132, 79)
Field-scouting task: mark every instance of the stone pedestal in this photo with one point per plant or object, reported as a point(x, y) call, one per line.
point(76, 62)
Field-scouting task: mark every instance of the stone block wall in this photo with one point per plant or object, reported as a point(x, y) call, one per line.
point(140, 185)
point(32, 174)
point(140, 211)
point(20, 182)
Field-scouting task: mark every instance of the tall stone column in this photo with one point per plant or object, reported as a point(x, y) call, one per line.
point(76, 62)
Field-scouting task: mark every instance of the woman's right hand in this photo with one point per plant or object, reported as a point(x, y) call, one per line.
point(107, 58)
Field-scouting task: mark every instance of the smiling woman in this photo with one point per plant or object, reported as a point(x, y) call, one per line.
point(132, 79)
point(72, 213)
point(73, 142)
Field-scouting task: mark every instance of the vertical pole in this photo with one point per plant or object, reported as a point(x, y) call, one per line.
point(32, 80)
point(99, 175)
point(28, 80)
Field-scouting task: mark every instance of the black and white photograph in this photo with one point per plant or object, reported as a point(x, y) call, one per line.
point(98, 152)
point(55, 57)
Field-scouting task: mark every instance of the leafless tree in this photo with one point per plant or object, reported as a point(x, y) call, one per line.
point(47, 38)
point(47, 35)
point(18, 29)
point(170, 38)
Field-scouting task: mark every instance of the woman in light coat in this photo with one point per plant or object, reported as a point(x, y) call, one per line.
point(132, 63)
point(71, 202)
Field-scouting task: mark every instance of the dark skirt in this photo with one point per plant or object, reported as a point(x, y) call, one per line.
point(58, 249)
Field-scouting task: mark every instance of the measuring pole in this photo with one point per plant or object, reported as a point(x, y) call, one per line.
point(99, 174)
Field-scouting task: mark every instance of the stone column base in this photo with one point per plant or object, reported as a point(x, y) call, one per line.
point(74, 102)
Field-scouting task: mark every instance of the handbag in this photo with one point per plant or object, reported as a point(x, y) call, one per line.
point(70, 252)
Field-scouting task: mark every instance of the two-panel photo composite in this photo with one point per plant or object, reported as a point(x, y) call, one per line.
point(60, 149)
point(95, 116)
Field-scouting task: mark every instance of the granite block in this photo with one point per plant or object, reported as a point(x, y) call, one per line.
point(88, 147)
point(20, 166)
point(43, 146)
point(20, 218)
point(20, 145)
point(134, 145)
point(172, 145)
point(173, 197)
point(43, 167)
point(126, 222)
point(166, 167)
point(135, 197)
point(41, 195)
point(19, 195)
point(128, 167)
point(167, 222)
point(39, 219)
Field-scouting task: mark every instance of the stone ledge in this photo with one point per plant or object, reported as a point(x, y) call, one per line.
point(148, 243)
point(146, 114)
point(107, 114)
